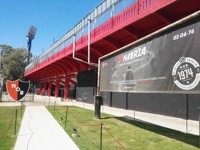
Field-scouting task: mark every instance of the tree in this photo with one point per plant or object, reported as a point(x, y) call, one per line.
point(14, 61)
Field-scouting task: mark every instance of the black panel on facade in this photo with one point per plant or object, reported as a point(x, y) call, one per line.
point(87, 78)
point(86, 86)
point(193, 105)
point(106, 98)
point(163, 104)
point(119, 100)
point(85, 94)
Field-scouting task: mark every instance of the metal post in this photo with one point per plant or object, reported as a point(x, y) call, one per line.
point(89, 41)
point(33, 92)
point(74, 45)
point(95, 18)
point(101, 136)
point(113, 11)
point(30, 37)
point(98, 78)
point(199, 127)
point(15, 121)
point(29, 42)
point(66, 117)
point(21, 109)
point(187, 113)
point(1, 73)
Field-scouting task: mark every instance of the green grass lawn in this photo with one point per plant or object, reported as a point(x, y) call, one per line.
point(7, 130)
point(120, 133)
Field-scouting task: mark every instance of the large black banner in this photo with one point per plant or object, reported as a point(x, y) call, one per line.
point(167, 63)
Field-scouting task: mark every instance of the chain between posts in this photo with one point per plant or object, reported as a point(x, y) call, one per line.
point(6, 131)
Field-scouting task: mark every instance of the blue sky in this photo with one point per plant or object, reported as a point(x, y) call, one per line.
point(52, 18)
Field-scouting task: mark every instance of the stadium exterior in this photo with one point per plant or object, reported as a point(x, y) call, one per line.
point(68, 69)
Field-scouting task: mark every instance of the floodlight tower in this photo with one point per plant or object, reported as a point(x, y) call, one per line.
point(30, 37)
point(1, 72)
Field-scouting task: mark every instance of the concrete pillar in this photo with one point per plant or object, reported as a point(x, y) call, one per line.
point(40, 88)
point(57, 88)
point(50, 88)
point(66, 88)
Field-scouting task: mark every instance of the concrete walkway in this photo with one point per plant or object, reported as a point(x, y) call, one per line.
point(179, 124)
point(40, 131)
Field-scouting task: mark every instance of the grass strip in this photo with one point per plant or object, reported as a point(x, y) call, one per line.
point(7, 126)
point(131, 134)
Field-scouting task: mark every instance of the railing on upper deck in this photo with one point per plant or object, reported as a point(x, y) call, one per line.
point(103, 18)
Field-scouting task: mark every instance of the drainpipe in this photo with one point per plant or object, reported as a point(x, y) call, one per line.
point(89, 41)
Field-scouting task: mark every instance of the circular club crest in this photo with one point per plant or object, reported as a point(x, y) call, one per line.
point(186, 73)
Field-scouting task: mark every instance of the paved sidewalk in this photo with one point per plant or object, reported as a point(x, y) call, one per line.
point(40, 131)
point(179, 124)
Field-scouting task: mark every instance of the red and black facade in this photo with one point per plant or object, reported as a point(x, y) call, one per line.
point(63, 76)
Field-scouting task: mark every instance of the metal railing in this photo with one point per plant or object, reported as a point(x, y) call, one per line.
point(104, 12)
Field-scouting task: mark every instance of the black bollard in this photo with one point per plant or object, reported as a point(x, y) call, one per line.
point(98, 102)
